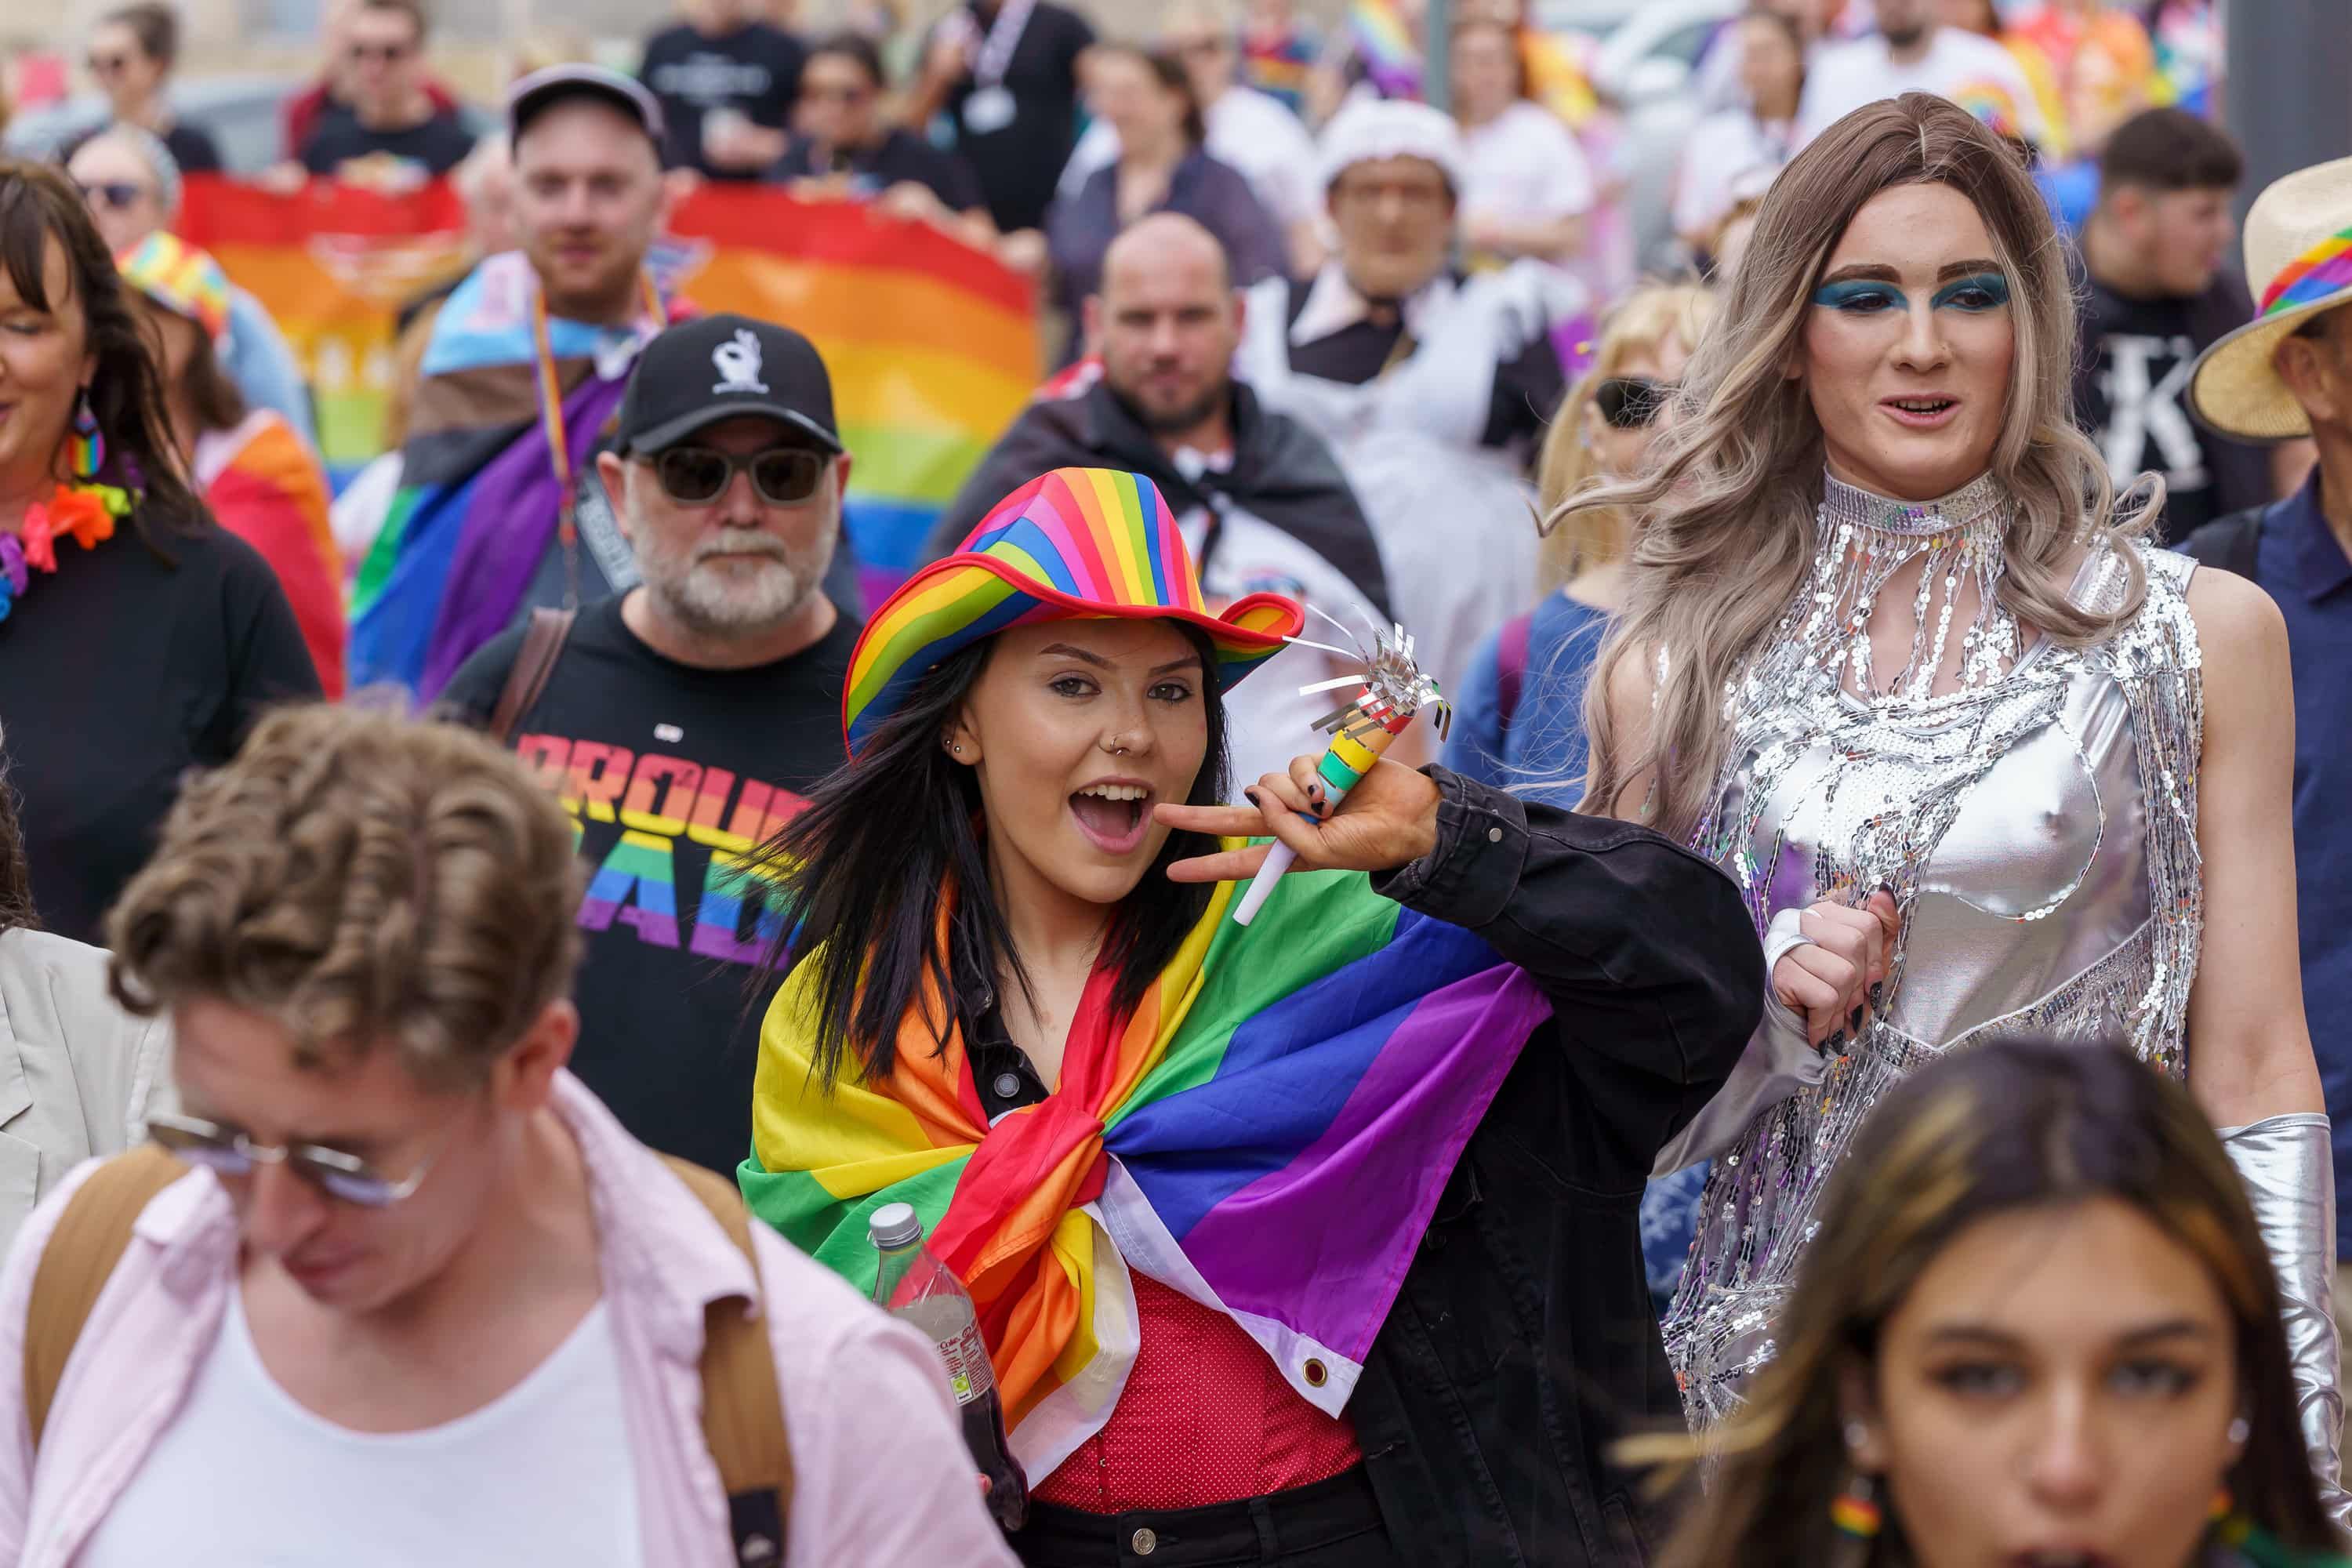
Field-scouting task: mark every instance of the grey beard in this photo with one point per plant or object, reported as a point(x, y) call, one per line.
point(707, 606)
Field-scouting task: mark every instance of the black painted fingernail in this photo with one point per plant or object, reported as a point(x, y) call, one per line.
point(1887, 888)
point(1853, 1020)
point(1251, 796)
point(1835, 1044)
point(1878, 996)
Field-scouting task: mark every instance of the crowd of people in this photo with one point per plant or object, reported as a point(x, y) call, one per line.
point(1801, 1023)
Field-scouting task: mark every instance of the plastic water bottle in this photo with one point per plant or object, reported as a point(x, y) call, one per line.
point(914, 1285)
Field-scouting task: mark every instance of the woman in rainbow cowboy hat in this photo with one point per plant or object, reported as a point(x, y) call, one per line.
point(1308, 1242)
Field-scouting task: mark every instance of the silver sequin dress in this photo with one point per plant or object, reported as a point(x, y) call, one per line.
point(2039, 834)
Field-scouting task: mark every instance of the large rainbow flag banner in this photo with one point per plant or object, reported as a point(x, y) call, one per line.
point(932, 345)
point(1267, 1132)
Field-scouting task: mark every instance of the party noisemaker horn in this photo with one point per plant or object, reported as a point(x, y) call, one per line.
point(1389, 692)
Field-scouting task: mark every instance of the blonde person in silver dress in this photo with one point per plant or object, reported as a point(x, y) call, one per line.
point(1982, 762)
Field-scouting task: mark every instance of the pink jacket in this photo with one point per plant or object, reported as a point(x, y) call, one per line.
point(882, 1474)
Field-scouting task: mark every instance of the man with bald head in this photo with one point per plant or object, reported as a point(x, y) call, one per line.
point(1260, 499)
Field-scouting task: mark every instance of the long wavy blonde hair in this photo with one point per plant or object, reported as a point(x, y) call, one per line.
point(1646, 318)
point(1731, 490)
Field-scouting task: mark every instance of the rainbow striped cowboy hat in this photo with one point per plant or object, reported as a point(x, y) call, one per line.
point(1074, 544)
point(2299, 254)
point(180, 277)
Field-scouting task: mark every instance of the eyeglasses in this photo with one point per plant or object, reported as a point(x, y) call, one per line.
point(228, 1152)
point(114, 195)
point(698, 476)
point(388, 54)
point(1631, 401)
point(107, 65)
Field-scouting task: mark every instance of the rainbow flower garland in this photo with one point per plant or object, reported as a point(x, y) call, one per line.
point(84, 513)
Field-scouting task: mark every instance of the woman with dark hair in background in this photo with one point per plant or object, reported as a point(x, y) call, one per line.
point(138, 639)
point(2038, 1326)
point(1161, 167)
point(1741, 148)
point(1526, 186)
point(132, 54)
point(256, 475)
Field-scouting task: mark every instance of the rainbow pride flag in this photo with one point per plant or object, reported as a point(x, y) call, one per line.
point(1384, 47)
point(1268, 1133)
point(932, 345)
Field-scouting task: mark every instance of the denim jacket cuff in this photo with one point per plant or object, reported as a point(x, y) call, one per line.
point(1482, 844)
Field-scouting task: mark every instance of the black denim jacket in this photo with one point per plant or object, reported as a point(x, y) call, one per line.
point(1523, 1341)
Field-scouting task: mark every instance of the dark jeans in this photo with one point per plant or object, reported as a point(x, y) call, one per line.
point(1331, 1524)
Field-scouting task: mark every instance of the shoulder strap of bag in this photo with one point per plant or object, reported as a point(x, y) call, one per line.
point(742, 1407)
point(2230, 543)
point(1511, 668)
point(90, 1239)
point(543, 647)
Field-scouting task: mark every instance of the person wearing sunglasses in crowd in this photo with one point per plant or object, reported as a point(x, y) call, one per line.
point(392, 1287)
point(132, 53)
point(391, 131)
point(132, 184)
point(681, 719)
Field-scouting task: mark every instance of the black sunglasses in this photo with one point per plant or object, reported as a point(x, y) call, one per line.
point(1630, 402)
point(781, 476)
point(112, 194)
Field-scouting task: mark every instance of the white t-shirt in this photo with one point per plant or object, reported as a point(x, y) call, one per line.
point(1723, 152)
point(1524, 165)
point(1958, 65)
point(247, 1476)
point(1248, 129)
point(1267, 722)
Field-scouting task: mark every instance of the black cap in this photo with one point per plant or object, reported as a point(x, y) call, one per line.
point(724, 368)
point(543, 90)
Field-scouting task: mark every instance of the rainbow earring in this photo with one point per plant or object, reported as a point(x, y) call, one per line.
point(1855, 1511)
point(89, 441)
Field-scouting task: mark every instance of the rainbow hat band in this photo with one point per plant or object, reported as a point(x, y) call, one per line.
point(1075, 544)
point(2298, 239)
point(180, 277)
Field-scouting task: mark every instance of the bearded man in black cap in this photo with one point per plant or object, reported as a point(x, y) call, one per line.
point(680, 720)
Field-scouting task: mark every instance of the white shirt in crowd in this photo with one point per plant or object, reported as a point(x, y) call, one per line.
point(1248, 129)
point(247, 1475)
point(1724, 155)
point(1525, 166)
point(1957, 65)
point(1267, 722)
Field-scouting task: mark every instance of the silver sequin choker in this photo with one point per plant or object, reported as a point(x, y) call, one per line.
point(1863, 541)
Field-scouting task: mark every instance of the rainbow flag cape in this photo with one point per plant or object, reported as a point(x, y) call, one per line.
point(933, 345)
point(479, 500)
point(1268, 1133)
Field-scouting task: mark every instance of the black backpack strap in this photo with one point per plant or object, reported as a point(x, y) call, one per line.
point(2229, 542)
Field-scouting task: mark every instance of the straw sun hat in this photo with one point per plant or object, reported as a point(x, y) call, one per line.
point(2299, 254)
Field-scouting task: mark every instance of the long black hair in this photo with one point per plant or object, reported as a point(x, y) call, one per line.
point(863, 865)
point(126, 394)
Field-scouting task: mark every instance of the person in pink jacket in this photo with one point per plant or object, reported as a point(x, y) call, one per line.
point(417, 1297)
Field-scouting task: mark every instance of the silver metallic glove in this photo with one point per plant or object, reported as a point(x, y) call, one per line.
point(2288, 1168)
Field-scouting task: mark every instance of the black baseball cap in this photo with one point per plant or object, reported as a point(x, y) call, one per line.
point(715, 368)
point(543, 90)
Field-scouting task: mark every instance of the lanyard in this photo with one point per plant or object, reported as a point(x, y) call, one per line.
point(994, 55)
point(559, 441)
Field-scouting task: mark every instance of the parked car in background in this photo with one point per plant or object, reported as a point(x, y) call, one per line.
point(240, 111)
